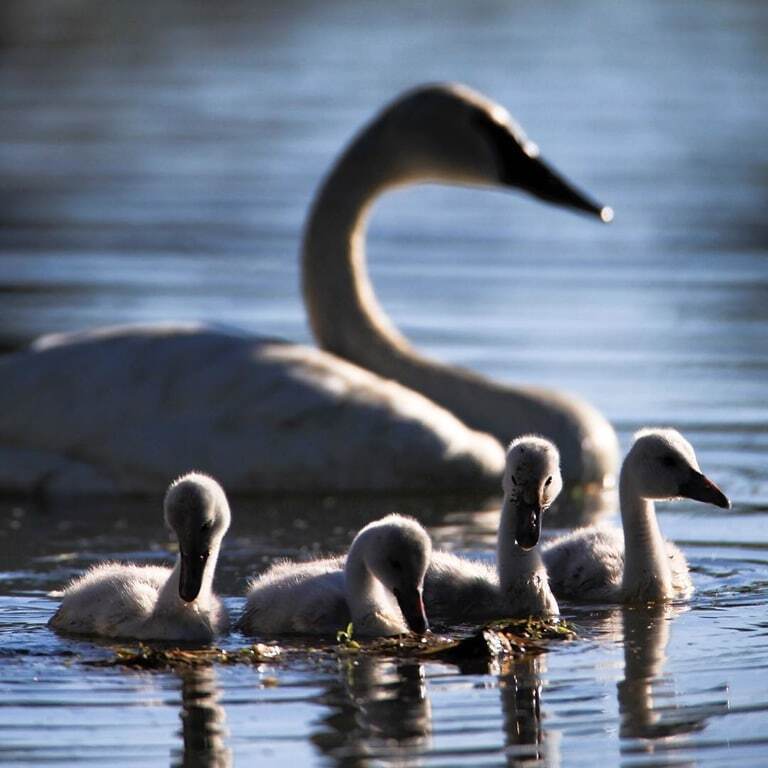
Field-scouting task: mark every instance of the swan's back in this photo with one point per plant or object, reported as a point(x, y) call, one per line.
point(111, 600)
point(459, 590)
point(251, 411)
point(297, 598)
point(588, 565)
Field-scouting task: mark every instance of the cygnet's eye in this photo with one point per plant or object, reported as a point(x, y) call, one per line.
point(205, 527)
point(548, 481)
point(668, 460)
point(512, 478)
point(395, 564)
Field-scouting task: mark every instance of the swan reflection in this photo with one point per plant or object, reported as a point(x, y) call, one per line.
point(379, 709)
point(203, 721)
point(525, 738)
point(649, 704)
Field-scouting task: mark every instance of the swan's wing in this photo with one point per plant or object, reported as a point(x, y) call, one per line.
point(126, 409)
point(459, 590)
point(587, 564)
point(110, 599)
point(297, 598)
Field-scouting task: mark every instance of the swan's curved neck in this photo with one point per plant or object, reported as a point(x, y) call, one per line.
point(343, 312)
point(372, 607)
point(647, 575)
point(169, 595)
point(515, 565)
point(347, 320)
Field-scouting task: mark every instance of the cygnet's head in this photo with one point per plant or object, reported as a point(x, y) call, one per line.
point(662, 465)
point(450, 133)
point(397, 553)
point(531, 482)
point(196, 509)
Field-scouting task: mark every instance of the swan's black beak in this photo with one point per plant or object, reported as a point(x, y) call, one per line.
point(540, 179)
point(411, 602)
point(520, 166)
point(528, 525)
point(191, 578)
point(700, 488)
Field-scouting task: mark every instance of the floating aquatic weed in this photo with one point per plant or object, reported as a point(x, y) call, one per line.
point(534, 628)
point(150, 657)
point(499, 639)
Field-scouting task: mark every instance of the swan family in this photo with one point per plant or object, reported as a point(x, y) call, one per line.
point(391, 581)
point(122, 409)
point(266, 415)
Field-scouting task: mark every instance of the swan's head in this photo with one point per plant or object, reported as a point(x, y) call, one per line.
point(397, 553)
point(662, 465)
point(196, 509)
point(450, 133)
point(531, 482)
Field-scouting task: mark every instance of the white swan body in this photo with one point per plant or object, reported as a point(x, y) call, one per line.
point(122, 409)
point(253, 411)
point(378, 587)
point(151, 602)
point(602, 564)
point(458, 590)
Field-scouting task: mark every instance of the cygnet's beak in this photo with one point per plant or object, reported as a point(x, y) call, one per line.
point(700, 488)
point(528, 524)
point(191, 578)
point(411, 603)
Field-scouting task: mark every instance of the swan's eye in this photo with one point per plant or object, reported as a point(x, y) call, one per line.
point(548, 481)
point(669, 460)
point(395, 564)
point(205, 527)
point(512, 478)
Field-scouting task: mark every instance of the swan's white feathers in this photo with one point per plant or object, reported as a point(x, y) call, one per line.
point(111, 591)
point(588, 564)
point(297, 598)
point(460, 590)
point(117, 600)
point(255, 413)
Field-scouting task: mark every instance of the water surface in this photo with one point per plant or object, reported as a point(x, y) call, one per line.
point(157, 161)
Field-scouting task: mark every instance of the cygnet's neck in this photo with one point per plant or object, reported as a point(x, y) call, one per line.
point(169, 598)
point(516, 566)
point(647, 575)
point(373, 608)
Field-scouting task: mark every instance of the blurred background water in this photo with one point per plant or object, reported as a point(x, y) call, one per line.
point(157, 161)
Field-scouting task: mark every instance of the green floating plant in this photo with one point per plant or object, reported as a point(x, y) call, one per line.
point(344, 638)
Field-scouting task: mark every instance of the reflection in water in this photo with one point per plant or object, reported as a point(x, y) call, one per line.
point(649, 705)
point(526, 741)
point(203, 720)
point(378, 709)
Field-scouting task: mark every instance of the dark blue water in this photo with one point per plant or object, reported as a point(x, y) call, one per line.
point(157, 163)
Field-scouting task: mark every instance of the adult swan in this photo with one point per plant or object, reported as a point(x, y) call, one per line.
point(124, 409)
